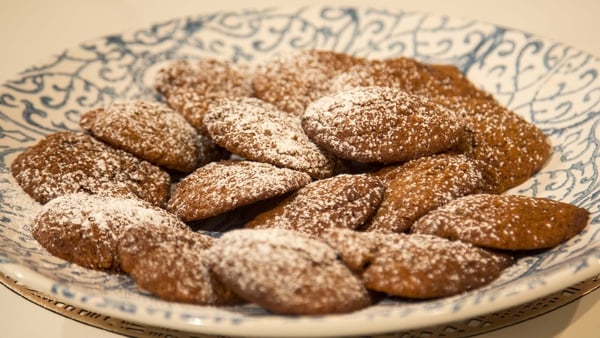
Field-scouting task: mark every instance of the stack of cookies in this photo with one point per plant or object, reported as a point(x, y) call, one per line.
point(349, 180)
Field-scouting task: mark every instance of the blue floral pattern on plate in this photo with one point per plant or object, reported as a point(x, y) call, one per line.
point(554, 86)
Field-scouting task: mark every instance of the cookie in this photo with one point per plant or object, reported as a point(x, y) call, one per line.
point(152, 132)
point(423, 266)
point(226, 185)
point(508, 222)
point(409, 75)
point(85, 229)
point(417, 266)
point(191, 86)
point(380, 124)
point(259, 131)
point(517, 149)
point(170, 263)
point(69, 162)
point(292, 80)
point(286, 272)
point(419, 186)
point(343, 201)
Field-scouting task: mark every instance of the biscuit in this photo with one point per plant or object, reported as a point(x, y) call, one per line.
point(69, 162)
point(508, 222)
point(170, 263)
point(419, 186)
point(409, 75)
point(417, 266)
point(516, 148)
point(343, 201)
point(293, 80)
point(424, 266)
point(85, 229)
point(191, 86)
point(259, 131)
point(226, 185)
point(286, 272)
point(152, 132)
point(380, 124)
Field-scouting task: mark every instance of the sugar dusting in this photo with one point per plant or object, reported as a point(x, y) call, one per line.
point(286, 272)
point(259, 131)
point(342, 201)
point(221, 186)
point(380, 124)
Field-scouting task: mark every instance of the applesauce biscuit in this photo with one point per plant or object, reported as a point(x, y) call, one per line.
point(292, 80)
point(170, 263)
point(410, 75)
point(509, 222)
point(69, 162)
point(342, 201)
point(517, 149)
point(259, 131)
point(85, 229)
point(416, 266)
point(419, 186)
point(226, 185)
point(191, 86)
point(152, 132)
point(380, 124)
point(286, 272)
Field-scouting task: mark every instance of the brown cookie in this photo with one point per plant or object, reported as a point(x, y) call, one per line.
point(69, 162)
point(226, 185)
point(510, 222)
point(259, 131)
point(380, 124)
point(152, 132)
point(191, 86)
point(291, 81)
point(343, 201)
point(170, 263)
point(286, 272)
point(422, 266)
point(85, 229)
point(417, 266)
point(409, 75)
point(419, 186)
point(516, 148)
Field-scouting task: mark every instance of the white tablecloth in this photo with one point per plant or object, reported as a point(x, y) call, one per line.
point(31, 31)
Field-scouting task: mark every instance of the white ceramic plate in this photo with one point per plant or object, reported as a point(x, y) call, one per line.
point(550, 84)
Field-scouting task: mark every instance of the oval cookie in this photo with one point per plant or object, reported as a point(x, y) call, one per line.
point(409, 75)
point(171, 264)
point(259, 131)
point(191, 86)
point(380, 124)
point(70, 162)
point(424, 266)
point(510, 222)
point(291, 81)
point(416, 266)
point(85, 229)
point(222, 186)
point(342, 201)
point(516, 148)
point(418, 186)
point(151, 131)
point(286, 272)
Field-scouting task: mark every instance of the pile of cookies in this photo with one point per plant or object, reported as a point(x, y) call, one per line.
point(355, 179)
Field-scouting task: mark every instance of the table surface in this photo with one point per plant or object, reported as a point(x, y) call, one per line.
point(31, 31)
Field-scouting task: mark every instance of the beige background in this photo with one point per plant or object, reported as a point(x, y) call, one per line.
point(31, 31)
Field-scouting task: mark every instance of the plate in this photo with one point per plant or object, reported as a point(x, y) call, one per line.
point(550, 84)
